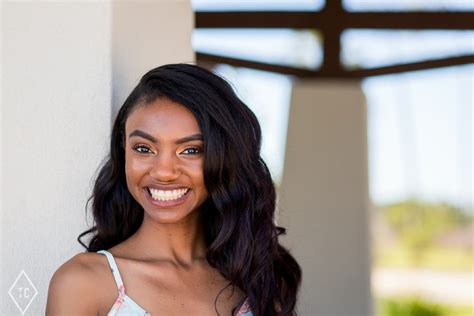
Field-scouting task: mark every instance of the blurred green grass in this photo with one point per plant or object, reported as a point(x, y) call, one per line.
point(433, 257)
point(412, 306)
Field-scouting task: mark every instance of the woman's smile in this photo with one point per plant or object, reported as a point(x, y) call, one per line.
point(166, 198)
point(166, 195)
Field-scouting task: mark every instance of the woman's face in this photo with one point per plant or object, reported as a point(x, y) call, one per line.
point(164, 160)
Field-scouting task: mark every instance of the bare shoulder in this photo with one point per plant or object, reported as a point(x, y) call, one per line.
point(73, 289)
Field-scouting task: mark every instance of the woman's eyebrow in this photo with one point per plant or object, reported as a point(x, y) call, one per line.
point(189, 138)
point(142, 134)
point(185, 139)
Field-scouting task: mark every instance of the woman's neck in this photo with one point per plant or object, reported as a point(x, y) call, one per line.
point(179, 243)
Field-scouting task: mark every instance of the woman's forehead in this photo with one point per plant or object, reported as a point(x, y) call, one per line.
point(163, 117)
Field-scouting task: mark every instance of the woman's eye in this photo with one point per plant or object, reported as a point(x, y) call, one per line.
point(192, 151)
point(141, 149)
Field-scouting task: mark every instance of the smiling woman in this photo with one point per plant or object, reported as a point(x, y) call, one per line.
point(183, 211)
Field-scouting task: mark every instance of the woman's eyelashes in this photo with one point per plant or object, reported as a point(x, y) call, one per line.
point(138, 148)
point(144, 149)
point(192, 151)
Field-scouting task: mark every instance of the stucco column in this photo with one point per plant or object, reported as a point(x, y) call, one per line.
point(146, 34)
point(324, 197)
point(65, 67)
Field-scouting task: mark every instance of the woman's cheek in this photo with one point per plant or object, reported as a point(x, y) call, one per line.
point(134, 171)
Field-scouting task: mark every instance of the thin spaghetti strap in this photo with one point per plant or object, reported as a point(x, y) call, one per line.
point(113, 267)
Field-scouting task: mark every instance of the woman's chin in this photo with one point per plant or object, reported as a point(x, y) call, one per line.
point(168, 216)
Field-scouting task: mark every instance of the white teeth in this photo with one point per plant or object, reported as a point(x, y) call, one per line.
point(167, 195)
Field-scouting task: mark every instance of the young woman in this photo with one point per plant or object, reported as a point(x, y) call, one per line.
point(183, 211)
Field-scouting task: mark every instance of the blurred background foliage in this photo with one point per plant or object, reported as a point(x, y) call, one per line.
point(419, 235)
point(412, 306)
point(426, 234)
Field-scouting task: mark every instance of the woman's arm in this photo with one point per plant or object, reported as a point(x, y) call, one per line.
point(73, 290)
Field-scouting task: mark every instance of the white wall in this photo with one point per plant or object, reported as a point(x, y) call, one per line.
point(324, 197)
point(64, 64)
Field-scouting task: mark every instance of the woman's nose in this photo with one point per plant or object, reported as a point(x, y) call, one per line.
point(164, 168)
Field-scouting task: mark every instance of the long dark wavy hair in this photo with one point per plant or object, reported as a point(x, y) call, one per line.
point(238, 216)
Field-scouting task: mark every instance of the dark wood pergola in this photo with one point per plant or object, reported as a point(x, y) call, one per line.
point(331, 21)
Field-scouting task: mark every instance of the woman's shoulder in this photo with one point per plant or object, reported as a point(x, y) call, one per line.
point(73, 286)
point(82, 267)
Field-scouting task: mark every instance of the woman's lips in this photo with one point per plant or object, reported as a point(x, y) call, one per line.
point(168, 203)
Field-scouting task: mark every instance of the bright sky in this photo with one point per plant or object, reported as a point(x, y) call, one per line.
point(420, 135)
point(420, 123)
point(350, 5)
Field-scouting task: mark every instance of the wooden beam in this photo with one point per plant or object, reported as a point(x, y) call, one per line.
point(215, 59)
point(331, 37)
point(256, 19)
point(340, 20)
point(342, 74)
point(422, 65)
point(411, 20)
